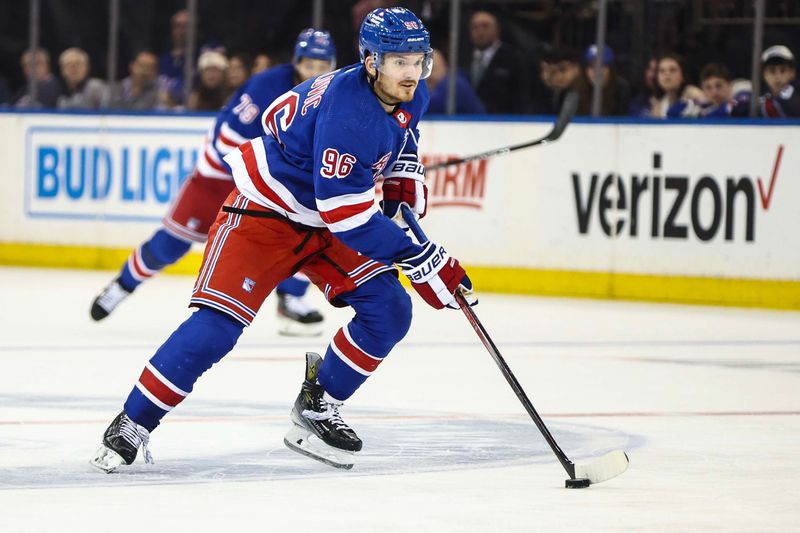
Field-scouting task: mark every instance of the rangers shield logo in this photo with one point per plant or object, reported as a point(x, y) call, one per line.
point(403, 118)
point(248, 284)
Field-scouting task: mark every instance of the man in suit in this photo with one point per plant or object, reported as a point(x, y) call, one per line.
point(497, 71)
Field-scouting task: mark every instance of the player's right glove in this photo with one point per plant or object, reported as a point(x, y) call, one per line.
point(404, 183)
point(436, 277)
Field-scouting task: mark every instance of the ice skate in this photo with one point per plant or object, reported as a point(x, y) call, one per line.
point(121, 443)
point(319, 431)
point(296, 318)
point(108, 300)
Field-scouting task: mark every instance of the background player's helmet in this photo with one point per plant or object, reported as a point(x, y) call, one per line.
point(394, 30)
point(316, 44)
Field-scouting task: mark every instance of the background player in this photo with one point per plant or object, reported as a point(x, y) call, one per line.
point(306, 196)
point(202, 194)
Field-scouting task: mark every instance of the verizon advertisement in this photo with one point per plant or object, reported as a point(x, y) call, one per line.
point(699, 200)
point(718, 201)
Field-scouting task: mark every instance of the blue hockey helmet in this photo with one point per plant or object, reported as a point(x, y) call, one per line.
point(394, 30)
point(315, 44)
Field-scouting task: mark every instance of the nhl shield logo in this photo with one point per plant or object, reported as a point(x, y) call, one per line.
point(248, 284)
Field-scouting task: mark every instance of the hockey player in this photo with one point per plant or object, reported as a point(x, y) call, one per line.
point(205, 190)
point(305, 199)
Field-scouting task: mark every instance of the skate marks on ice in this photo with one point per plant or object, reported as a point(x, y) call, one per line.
point(47, 442)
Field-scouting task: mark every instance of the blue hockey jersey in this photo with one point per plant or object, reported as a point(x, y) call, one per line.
point(327, 141)
point(239, 121)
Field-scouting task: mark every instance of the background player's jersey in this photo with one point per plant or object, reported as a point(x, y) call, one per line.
point(327, 141)
point(239, 119)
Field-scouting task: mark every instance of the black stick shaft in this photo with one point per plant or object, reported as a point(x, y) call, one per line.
point(565, 114)
point(486, 155)
point(483, 335)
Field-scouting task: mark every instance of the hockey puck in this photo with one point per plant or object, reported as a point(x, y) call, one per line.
point(579, 483)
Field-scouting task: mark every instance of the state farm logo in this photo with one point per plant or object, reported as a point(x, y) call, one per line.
point(674, 205)
point(461, 185)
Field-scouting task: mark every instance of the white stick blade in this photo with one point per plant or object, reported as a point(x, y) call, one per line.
point(603, 468)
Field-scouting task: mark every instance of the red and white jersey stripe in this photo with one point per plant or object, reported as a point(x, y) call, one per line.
point(215, 148)
point(352, 355)
point(348, 211)
point(158, 389)
point(227, 140)
point(252, 175)
point(209, 163)
point(137, 266)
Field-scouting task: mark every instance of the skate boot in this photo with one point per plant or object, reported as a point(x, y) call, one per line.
point(319, 431)
point(296, 318)
point(108, 300)
point(120, 444)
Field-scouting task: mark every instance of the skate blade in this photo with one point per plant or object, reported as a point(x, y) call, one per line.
point(106, 460)
point(293, 328)
point(300, 440)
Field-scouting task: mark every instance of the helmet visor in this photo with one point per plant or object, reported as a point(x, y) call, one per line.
point(405, 66)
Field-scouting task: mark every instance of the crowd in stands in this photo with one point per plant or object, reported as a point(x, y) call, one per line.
point(153, 82)
point(496, 78)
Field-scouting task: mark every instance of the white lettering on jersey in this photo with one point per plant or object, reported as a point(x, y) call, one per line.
point(336, 165)
point(318, 87)
point(246, 110)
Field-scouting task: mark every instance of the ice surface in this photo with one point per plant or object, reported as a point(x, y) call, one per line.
point(706, 401)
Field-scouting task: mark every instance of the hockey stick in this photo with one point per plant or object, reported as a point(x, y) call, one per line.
point(581, 475)
point(568, 109)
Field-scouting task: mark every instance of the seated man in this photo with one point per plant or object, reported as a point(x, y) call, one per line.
point(467, 102)
point(48, 88)
point(82, 92)
point(139, 91)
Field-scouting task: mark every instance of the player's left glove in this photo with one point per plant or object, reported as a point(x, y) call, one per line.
point(404, 183)
point(436, 277)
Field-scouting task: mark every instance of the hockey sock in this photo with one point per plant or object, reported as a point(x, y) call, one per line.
point(293, 286)
point(151, 257)
point(383, 316)
point(202, 340)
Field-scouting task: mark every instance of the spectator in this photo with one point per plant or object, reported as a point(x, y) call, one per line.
point(171, 63)
point(561, 73)
point(48, 88)
point(539, 101)
point(81, 91)
point(139, 91)
point(496, 71)
point(467, 102)
point(642, 104)
point(239, 70)
point(212, 90)
point(261, 63)
point(616, 90)
point(672, 85)
point(721, 97)
point(779, 71)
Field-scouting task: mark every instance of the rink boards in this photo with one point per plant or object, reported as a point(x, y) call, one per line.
point(661, 211)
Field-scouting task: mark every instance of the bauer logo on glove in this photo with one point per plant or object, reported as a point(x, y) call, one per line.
point(424, 271)
point(436, 277)
point(404, 183)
